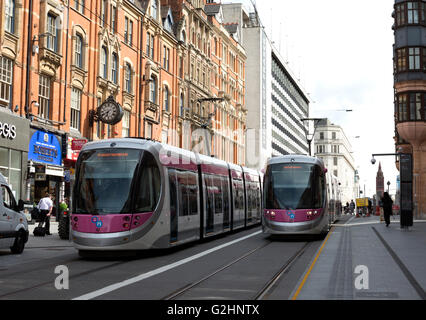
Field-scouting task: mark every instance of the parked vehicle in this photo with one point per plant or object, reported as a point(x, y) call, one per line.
point(13, 222)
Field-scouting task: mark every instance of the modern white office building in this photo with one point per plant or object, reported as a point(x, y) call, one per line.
point(334, 148)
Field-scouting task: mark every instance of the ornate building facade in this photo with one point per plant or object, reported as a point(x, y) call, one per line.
point(60, 60)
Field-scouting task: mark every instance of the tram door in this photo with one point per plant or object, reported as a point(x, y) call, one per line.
point(184, 204)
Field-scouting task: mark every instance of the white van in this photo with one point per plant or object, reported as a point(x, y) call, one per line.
point(13, 223)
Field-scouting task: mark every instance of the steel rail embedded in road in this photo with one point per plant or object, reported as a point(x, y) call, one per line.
point(185, 289)
point(269, 287)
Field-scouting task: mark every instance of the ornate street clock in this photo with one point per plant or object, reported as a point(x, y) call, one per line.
point(110, 111)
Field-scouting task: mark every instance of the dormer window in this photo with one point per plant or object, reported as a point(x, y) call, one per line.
point(154, 9)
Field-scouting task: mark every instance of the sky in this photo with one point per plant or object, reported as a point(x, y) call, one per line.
point(342, 53)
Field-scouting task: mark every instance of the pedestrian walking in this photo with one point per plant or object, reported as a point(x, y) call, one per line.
point(387, 207)
point(45, 206)
point(370, 207)
point(352, 206)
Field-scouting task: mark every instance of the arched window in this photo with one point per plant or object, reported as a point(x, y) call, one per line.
point(183, 36)
point(153, 89)
point(104, 63)
point(166, 99)
point(114, 69)
point(78, 51)
point(128, 78)
point(9, 16)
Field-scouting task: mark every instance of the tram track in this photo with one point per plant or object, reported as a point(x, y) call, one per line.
point(186, 288)
point(264, 292)
point(273, 282)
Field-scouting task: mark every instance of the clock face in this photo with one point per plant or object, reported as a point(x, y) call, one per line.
point(109, 112)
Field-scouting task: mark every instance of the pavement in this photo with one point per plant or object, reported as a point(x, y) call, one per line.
point(362, 259)
point(46, 241)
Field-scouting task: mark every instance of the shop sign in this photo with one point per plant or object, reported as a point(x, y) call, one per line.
point(77, 144)
point(74, 147)
point(45, 148)
point(7, 131)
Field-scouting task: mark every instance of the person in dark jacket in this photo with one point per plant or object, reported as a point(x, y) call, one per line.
point(387, 207)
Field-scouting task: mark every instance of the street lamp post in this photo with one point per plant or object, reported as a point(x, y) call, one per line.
point(310, 137)
point(388, 183)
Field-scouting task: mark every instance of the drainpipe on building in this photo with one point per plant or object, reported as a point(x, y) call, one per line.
point(29, 55)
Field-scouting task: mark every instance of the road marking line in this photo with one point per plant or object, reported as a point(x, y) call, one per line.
point(312, 265)
point(143, 276)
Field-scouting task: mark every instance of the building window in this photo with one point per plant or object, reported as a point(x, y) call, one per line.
point(114, 69)
point(153, 89)
point(44, 97)
point(410, 59)
point(166, 99)
point(150, 45)
point(79, 6)
point(75, 108)
point(10, 168)
point(166, 58)
point(181, 105)
point(410, 12)
point(335, 161)
point(6, 72)
point(128, 31)
point(113, 18)
point(148, 130)
point(335, 172)
point(154, 9)
point(128, 78)
point(414, 58)
point(104, 63)
point(9, 16)
point(333, 135)
point(411, 106)
point(52, 33)
point(413, 12)
point(126, 124)
point(104, 13)
point(78, 51)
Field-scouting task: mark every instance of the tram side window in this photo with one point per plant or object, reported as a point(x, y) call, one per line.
point(218, 194)
point(149, 188)
point(183, 193)
point(173, 192)
point(192, 193)
point(225, 190)
point(209, 197)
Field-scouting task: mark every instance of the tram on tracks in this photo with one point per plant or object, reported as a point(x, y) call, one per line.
point(134, 194)
point(300, 196)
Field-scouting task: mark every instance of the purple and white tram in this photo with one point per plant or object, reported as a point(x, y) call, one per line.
point(297, 196)
point(133, 194)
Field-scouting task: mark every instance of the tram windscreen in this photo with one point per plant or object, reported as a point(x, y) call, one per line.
point(104, 181)
point(294, 186)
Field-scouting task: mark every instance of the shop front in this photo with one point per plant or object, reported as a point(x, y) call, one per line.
point(14, 138)
point(46, 173)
